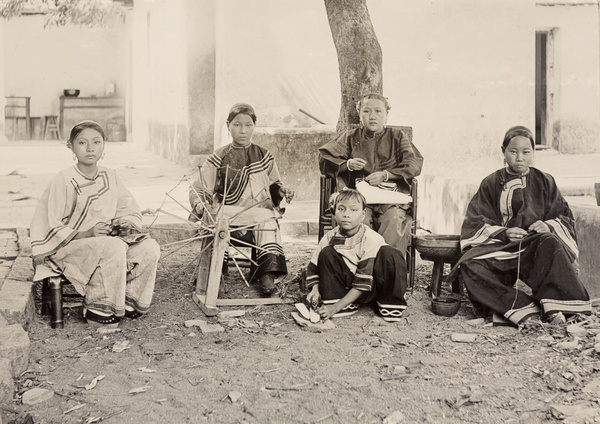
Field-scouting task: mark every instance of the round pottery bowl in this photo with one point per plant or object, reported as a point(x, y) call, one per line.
point(445, 306)
point(444, 246)
point(71, 92)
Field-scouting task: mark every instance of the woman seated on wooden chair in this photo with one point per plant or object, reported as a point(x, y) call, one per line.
point(249, 175)
point(382, 157)
point(87, 227)
point(519, 242)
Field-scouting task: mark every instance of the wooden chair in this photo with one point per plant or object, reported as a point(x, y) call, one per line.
point(328, 186)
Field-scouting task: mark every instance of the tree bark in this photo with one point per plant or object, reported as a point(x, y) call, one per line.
point(359, 55)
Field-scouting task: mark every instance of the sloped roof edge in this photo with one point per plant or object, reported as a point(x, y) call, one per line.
point(566, 3)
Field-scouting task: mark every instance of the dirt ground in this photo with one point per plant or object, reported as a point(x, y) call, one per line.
point(265, 368)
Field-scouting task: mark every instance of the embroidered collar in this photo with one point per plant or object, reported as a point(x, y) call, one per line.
point(87, 177)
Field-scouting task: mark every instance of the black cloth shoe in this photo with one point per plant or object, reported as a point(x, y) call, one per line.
point(93, 318)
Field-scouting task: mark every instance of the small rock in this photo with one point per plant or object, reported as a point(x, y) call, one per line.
point(476, 322)
point(593, 387)
point(463, 337)
point(37, 395)
point(108, 330)
point(571, 344)
point(394, 418)
point(546, 338)
point(232, 314)
point(7, 384)
point(15, 347)
point(121, 346)
point(580, 411)
point(576, 330)
point(192, 334)
point(194, 322)
point(597, 347)
point(234, 396)
point(205, 328)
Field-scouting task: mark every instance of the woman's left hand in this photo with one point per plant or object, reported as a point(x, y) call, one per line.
point(539, 227)
point(375, 178)
point(122, 223)
point(287, 194)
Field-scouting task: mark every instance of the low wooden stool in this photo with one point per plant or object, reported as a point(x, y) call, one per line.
point(51, 124)
point(440, 249)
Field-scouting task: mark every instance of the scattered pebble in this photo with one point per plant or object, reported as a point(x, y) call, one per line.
point(232, 314)
point(234, 396)
point(463, 337)
point(37, 395)
point(576, 330)
point(194, 322)
point(394, 418)
point(205, 328)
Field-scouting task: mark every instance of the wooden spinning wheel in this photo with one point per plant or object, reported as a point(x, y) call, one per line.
point(212, 255)
point(216, 230)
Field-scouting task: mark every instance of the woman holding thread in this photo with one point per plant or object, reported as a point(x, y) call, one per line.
point(88, 228)
point(519, 242)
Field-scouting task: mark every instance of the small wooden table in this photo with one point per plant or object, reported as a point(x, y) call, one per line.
point(69, 103)
point(440, 249)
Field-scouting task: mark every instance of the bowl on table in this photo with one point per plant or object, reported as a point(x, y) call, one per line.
point(445, 306)
point(71, 92)
point(438, 246)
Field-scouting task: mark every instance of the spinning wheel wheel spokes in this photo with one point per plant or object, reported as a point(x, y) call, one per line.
point(215, 229)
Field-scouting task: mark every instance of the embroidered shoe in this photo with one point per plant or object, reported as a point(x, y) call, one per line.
point(349, 310)
point(132, 314)
point(110, 321)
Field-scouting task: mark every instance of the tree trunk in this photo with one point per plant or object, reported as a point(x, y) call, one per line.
point(359, 55)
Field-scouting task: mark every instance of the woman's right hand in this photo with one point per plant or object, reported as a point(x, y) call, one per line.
point(515, 234)
point(98, 230)
point(356, 164)
point(314, 297)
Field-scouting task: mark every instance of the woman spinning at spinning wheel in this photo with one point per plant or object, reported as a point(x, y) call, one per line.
point(519, 241)
point(249, 174)
point(382, 157)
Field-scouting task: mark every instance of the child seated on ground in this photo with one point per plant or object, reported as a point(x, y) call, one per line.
point(353, 265)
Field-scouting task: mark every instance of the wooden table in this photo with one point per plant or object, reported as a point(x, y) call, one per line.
point(19, 102)
point(93, 103)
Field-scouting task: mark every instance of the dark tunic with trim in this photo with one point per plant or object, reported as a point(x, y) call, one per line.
point(389, 151)
point(513, 278)
point(245, 176)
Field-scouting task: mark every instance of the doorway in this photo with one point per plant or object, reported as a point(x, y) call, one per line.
point(543, 96)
